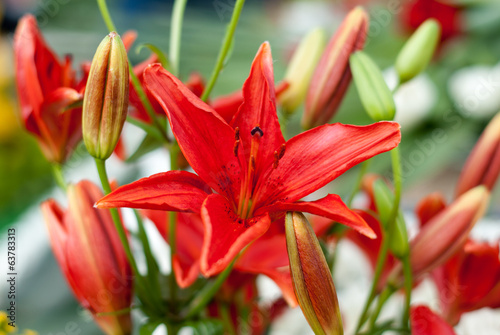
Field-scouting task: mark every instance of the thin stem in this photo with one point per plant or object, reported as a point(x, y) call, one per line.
point(384, 296)
point(135, 81)
point(396, 170)
point(103, 176)
point(175, 35)
point(148, 129)
point(357, 186)
point(208, 292)
point(226, 318)
point(226, 45)
point(105, 15)
point(408, 284)
point(382, 256)
point(58, 176)
point(172, 230)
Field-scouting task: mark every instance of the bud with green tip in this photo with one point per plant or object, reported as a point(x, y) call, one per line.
point(373, 91)
point(106, 97)
point(301, 68)
point(311, 277)
point(418, 50)
point(397, 235)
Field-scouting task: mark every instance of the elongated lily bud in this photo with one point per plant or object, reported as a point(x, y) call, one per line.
point(312, 281)
point(418, 50)
point(483, 165)
point(397, 235)
point(446, 232)
point(106, 97)
point(301, 68)
point(373, 91)
point(333, 75)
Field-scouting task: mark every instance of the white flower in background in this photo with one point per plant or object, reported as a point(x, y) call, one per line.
point(475, 91)
point(414, 99)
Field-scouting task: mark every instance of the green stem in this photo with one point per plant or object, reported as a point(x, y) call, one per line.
point(384, 296)
point(382, 256)
point(105, 15)
point(103, 176)
point(147, 128)
point(175, 35)
point(172, 229)
point(408, 284)
point(357, 186)
point(208, 292)
point(135, 81)
point(396, 170)
point(226, 45)
point(58, 176)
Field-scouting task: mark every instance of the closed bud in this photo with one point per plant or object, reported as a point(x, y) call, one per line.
point(333, 75)
point(372, 90)
point(106, 97)
point(418, 50)
point(447, 232)
point(301, 68)
point(311, 277)
point(397, 235)
point(483, 165)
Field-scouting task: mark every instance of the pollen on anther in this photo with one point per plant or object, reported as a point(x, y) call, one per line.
point(236, 133)
point(235, 148)
point(281, 151)
point(255, 130)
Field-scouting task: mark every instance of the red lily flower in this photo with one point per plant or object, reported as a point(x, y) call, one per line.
point(426, 322)
point(469, 281)
point(88, 250)
point(47, 87)
point(256, 175)
point(414, 13)
point(265, 256)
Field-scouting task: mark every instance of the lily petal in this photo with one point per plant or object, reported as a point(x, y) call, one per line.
point(268, 256)
point(206, 140)
point(325, 153)
point(226, 234)
point(169, 191)
point(331, 207)
point(259, 109)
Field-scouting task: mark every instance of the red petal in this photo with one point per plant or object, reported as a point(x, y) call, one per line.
point(331, 207)
point(169, 191)
point(189, 243)
point(206, 140)
point(429, 207)
point(128, 38)
point(316, 157)
point(259, 109)
point(226, 234)
point(268, 256)
point(227, 106)
point(426, 322)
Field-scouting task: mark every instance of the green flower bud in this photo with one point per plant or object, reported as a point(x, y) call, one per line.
point(311, 277)
point(397, 235)
point(301, 68)
point(373, 91)
point(106, 97)
point(418, 50)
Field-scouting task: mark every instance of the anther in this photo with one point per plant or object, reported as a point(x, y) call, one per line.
point(235, 148)
point(281, 151)
point(255, 130)
point(278, 154)
point(236, 134)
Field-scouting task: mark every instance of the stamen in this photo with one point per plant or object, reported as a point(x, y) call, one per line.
point(235, 148)
point(255, 130)
point(236, 133)
point(281, 151)
point(278, 154)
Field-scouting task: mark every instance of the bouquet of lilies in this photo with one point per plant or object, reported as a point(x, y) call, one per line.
point(232, 205)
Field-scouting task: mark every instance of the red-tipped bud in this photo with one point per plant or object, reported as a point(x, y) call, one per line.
point(88, 250)
point(429, 207)
point(106, 97)
point(447, 232)
point(312, 280)
point(483, 165)
point(333, 75)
